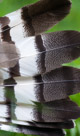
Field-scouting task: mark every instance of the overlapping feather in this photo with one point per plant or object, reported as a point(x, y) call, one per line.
point(34, 88)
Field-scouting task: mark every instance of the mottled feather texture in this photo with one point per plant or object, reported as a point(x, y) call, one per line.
point(38, 17)
point(55, 85)
point(41, 54)
point(34, 87)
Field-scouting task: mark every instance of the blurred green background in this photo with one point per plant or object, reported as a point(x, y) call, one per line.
point(71, 22)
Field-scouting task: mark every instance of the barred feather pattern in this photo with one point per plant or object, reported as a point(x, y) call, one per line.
point(34, 87)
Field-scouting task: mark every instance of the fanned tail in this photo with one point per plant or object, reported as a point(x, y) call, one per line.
point(34, 88)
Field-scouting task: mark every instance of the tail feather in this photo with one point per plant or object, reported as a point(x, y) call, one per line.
point(43, 53)
point(59, 125)
point(48, 112)
point(55, 85)
point(33, 131)
point(36, 18)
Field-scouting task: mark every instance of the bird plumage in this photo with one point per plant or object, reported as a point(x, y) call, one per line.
point(34, 87)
